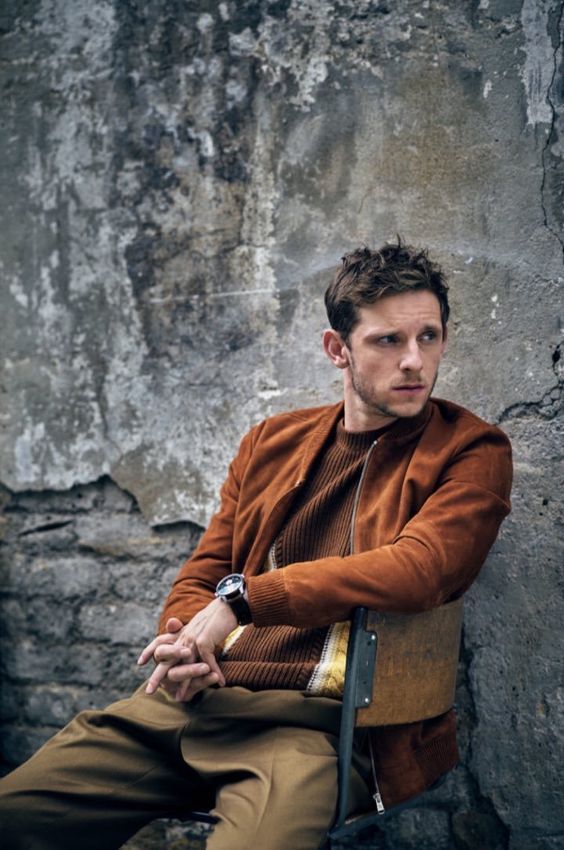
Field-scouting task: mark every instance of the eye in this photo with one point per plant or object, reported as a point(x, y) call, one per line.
point(388, 339)
point(429, 336)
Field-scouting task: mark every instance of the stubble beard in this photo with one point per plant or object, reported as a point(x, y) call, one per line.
point(367, 396)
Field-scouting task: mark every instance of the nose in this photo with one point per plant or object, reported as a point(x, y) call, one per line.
point(411, 360)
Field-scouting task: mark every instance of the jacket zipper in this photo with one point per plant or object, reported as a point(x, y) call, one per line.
point(377, 797)
point(357, 494)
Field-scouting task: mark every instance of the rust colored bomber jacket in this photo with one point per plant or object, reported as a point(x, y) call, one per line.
point(434, 493)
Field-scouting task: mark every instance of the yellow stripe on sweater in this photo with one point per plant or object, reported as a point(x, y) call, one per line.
point(328, 679)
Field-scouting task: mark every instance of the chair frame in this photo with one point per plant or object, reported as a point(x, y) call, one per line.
point(401, 668)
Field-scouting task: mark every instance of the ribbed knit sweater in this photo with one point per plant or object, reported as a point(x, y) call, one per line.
point(319, 525)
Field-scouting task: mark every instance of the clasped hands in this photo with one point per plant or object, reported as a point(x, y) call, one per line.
point(184, 656)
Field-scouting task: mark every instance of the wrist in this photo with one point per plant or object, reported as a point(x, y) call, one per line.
point(228, 616)
point(232, 592)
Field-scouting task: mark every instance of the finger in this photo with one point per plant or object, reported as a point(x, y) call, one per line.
point(187, 690)
point(207, 656)
point(175, 653)
point(181, 672)
point(173, 624)
point(157, 677)
point(148, 652)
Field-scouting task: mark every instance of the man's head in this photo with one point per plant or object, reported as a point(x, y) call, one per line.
point(388, 311)
point(365, 276)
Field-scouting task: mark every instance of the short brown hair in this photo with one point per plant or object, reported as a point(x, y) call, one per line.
point(365, 276)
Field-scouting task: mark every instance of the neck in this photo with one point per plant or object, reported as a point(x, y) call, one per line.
point(359, 417)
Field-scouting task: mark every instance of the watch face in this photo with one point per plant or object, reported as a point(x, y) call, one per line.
point(232, 585)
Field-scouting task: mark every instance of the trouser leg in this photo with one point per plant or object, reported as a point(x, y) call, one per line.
point(101, 779)
point(276, 778)
point(270, 757)
point(285, 800)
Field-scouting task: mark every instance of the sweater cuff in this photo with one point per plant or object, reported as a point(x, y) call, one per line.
point(268, 599)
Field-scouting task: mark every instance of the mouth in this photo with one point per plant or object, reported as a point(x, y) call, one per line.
point(409, 389)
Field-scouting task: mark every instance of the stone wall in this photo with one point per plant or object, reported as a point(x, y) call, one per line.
point(178, 181)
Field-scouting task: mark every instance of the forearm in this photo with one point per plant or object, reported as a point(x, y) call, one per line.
point(427, 564)
point(433, 554)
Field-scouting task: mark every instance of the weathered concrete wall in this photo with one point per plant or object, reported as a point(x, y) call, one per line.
point(178, 180)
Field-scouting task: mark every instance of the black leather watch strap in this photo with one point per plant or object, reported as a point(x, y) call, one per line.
point(240, 608)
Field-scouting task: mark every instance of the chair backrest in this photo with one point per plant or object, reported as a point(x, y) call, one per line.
point(416, 665)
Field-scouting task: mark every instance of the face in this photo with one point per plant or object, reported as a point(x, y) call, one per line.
point(391, 360)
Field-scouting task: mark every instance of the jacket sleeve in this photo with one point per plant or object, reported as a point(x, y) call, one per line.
point(435, 557)
point(194, 586)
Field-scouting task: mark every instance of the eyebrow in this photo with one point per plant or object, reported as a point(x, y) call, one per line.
point(430, 326)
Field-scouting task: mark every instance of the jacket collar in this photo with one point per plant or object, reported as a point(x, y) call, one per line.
point(402, 431)
point(405, 430)
point(319, 436)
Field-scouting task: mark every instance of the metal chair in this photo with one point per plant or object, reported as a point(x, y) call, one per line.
point(401, 668)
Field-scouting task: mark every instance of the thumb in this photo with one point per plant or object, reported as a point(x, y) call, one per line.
point(173, 624)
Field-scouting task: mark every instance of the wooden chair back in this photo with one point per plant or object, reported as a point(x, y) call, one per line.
point(415, 666)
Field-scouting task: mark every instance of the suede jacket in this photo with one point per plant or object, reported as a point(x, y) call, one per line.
point(433, 493)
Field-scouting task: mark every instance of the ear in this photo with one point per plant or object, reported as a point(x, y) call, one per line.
point(335, 349)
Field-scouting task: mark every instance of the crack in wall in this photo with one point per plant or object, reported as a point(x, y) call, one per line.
point(556, 357)
point(548, 407)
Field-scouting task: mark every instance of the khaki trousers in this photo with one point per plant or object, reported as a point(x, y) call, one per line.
point(265, 762)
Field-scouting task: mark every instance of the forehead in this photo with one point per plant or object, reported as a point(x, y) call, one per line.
point(400, 312)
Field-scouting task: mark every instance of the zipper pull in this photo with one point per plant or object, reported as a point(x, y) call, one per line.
point(378, 800)
point(377, 797)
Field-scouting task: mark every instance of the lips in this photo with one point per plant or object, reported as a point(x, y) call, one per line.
point(409, 388)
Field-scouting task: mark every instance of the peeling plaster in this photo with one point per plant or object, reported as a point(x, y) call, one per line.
point(347, 159)
point(552, 145)
point(538, 69)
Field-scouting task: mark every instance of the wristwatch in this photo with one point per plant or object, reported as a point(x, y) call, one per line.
point(232, 589)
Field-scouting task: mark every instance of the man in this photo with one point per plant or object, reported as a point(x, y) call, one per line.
point(390, 500)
